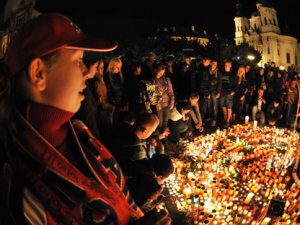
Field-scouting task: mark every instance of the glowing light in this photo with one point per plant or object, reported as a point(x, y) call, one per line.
point(250, 57)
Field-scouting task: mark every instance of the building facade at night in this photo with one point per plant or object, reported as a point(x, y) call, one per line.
point(14, 14)
point(262, 31)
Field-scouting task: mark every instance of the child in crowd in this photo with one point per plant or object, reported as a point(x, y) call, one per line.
point(53, 170)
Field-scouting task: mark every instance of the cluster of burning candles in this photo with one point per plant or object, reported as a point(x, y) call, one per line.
point(231, 176)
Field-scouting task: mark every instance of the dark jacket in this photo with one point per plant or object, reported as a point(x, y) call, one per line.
point(126, 147)
point(273, 113)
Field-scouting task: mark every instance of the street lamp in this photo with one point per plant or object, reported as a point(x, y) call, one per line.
point(250, 57)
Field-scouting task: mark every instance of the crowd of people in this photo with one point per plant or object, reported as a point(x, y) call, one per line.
point(228, 91)
point(205, 92)
point(83, 136)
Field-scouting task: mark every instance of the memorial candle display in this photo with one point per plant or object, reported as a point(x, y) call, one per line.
point(232, 176)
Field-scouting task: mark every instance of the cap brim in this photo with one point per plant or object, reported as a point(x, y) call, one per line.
point(94, 44)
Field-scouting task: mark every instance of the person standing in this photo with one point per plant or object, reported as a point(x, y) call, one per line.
point(203, 79)
point(168, 97)
point(116, 92)
point(250, 77)
point(215, 85)
point(54, 170)
point(172, 72)
point(133, 86)
point(240, 89)
point(105, 110)
point(226, 99)
point(88, 111)
point(185, 78)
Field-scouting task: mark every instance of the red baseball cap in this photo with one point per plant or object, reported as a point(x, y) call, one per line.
point(46, 33)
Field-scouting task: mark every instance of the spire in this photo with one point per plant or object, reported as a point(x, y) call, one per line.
point(239, 9)
point(265, 3)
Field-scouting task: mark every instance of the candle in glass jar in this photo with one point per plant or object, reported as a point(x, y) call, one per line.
point(248, 198)
point(254, 124)
point(266, 221)
point(246, 119)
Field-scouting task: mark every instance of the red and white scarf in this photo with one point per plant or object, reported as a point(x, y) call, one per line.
point(70, 196)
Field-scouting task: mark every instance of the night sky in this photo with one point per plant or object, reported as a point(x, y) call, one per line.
point(130, 18)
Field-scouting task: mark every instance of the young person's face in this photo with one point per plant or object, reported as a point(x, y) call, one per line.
point(101, 68)
point(65, 81)
point(93, 69)
point(116, 68)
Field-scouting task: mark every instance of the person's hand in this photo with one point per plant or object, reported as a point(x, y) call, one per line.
point(124, 108)
point(169, 198)
point(167, 131)
point(164, 134)
point(154, 217)
point(158, 107)
point(272, 123)
point(201, 129)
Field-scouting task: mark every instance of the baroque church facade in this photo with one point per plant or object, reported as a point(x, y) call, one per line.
point(14, 14)
point(262, 31)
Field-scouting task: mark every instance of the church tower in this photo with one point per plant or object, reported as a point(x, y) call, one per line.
point(262, 31)
point(13, 14)
point(241, 23)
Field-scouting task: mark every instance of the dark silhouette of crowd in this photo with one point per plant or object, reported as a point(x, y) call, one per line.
point(226, 91)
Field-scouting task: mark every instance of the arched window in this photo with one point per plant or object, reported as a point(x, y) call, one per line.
point(265, 21)
point(19, 20)
point(288, 58)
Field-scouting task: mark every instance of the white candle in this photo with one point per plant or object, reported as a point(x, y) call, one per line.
point(254, 124)
point(246, 119)
point(248, 198)
point(266, 221)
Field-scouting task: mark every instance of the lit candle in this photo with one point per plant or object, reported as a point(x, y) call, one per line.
point(248, 198)
point(246, 119)
point(266, 221)
point(254, 124)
